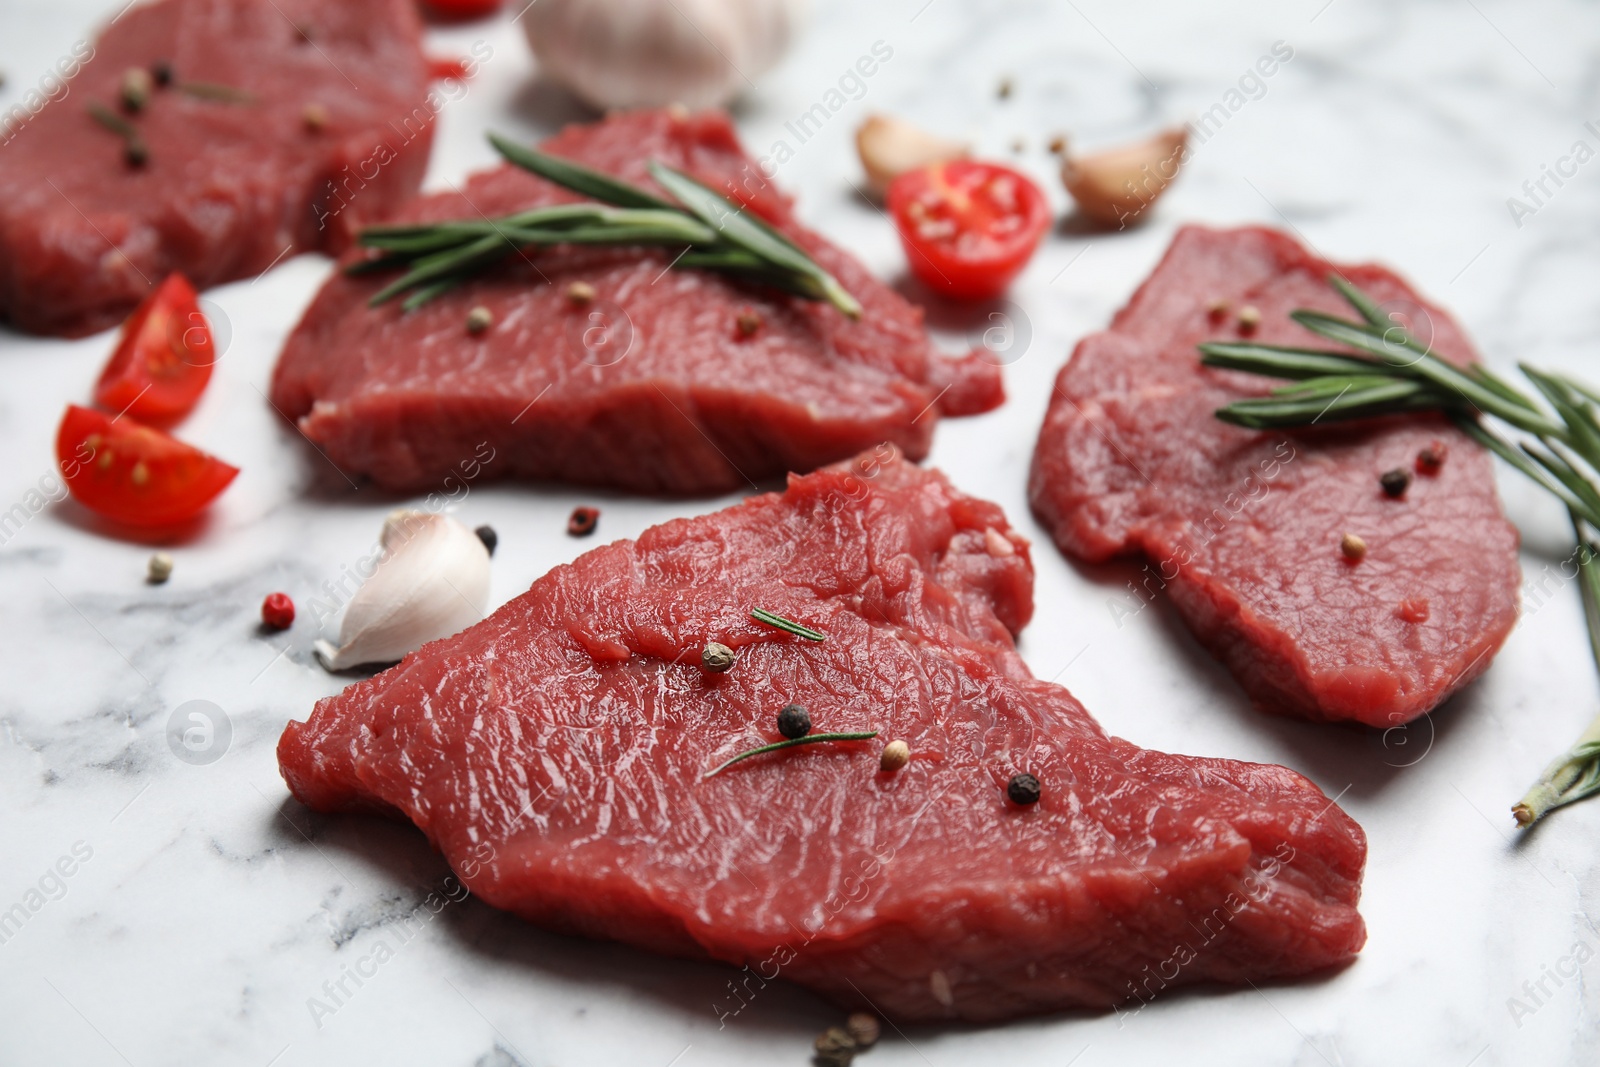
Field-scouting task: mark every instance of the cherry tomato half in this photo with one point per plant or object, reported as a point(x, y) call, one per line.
point(163, 361)
point(135, 474)
point(968, 227)
point(462, 9)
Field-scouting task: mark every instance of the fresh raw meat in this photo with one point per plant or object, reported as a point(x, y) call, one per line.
point(336, 128)
point(555, 753)
point(1242, 530)
point(653, 386)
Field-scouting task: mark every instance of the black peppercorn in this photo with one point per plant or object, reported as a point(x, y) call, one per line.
point(794, 721)
point(489, 538)
point(161, 71)
point(1395, 482)
point(1023, 789)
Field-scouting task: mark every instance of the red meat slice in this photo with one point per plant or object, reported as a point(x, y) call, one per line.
point(555, 754)
point(231, 185)
point(653, 387)
point(1242, 530)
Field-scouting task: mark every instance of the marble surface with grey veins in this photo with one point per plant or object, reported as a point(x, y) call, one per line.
point(168, 905)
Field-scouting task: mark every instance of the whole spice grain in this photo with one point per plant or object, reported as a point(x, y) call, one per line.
point(896, 754)
point(1395, 482)
point(315, 117)
point(794, 721)
point(582, 521)
point(1249, 319)
point(716, 658)
point(137, 85)
point(1353, 547)
point(863, 1027)
point(749, 321)
point(159, 568)
point(1431, 458)
point(479, 319)
point(1023, 789)
point(580, 294)
point(489, 538)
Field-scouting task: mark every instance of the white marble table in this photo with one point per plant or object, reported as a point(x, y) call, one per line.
point(207, 916)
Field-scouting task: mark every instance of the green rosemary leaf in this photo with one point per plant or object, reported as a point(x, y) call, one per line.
point(428, 292)
point(430, 268)
point(576, 177)
point(1365, 306)
point(1279, 362)
point(762, 615)
point(227, 94)
point(809, 739)
point(1272, 412)
point(741, 227)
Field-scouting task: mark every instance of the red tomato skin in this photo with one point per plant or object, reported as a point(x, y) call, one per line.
point(133, 474)
point(461, 10)
point(163, 359)
point(949, 270)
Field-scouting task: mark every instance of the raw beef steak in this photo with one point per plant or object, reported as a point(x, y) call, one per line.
point(1242, 530)
point(335, 127)
point(653, 386)
point(556, 753)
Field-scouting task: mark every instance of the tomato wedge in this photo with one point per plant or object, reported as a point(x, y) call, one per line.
point(462, 9)
point(163, 361)
point(968, 227)
point(135, 474)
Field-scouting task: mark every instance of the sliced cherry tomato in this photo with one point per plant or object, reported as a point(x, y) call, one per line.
point(462, 9)
point(135, 474)
point(447, 68)
point(163, 361)
point(968, 227)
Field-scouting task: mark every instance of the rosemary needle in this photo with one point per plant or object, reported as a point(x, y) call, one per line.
point(762, 615)
point(809, 739)
point(716, 234)
point(1387, 371)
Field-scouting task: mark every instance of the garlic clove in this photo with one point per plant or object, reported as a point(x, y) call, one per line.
point(889, 147)
point(650, 53)
point(1114, 187)
point(431, 582)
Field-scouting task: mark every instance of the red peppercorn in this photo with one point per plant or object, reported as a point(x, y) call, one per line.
point(277, 611)
point(583, 521)
point(1431, 458)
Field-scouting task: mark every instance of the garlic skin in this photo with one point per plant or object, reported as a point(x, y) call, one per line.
point(1113, 188)
point(432, 582)
point(889, 147)
point(650, 53)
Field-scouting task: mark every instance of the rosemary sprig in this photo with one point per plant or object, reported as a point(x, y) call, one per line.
point(227, 94)
point(762, 615)
point(1390, 373)
point(717, 234)
point(809, 739)
point(134, 149)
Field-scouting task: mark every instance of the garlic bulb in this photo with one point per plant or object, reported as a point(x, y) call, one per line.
point(889, 147)
point(650, 53)
point(1114, 187)
point(431, 581)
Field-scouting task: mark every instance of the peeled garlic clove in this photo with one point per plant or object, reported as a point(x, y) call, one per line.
point(889, 147)
point(1114, 187)
point(432, 581)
